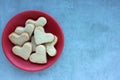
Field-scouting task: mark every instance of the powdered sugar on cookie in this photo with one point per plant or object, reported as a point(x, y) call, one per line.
point(32, 42)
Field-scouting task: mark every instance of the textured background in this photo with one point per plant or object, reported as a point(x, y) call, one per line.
point(92, 39)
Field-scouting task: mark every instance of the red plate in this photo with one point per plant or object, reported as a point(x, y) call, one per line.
point(19, 20)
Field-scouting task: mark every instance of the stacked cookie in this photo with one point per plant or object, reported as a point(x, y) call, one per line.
point(32, 42)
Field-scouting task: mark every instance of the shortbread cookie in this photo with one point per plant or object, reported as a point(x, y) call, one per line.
point(33, 43)
point(42, 37)
point(40, 55)
point(50, 47)
point(41, 21)
point(29, 28)
point(24, 51)
point(19, 39)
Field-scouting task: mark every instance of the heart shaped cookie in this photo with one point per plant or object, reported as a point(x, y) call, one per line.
point(24, 51)
point(42, 37)
point(50, 47)
point(19, 39)
point(29, 28)
point(40, 55)
point(41, 21)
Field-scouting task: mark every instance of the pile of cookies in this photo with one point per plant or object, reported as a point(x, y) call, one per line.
point(32, 42)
